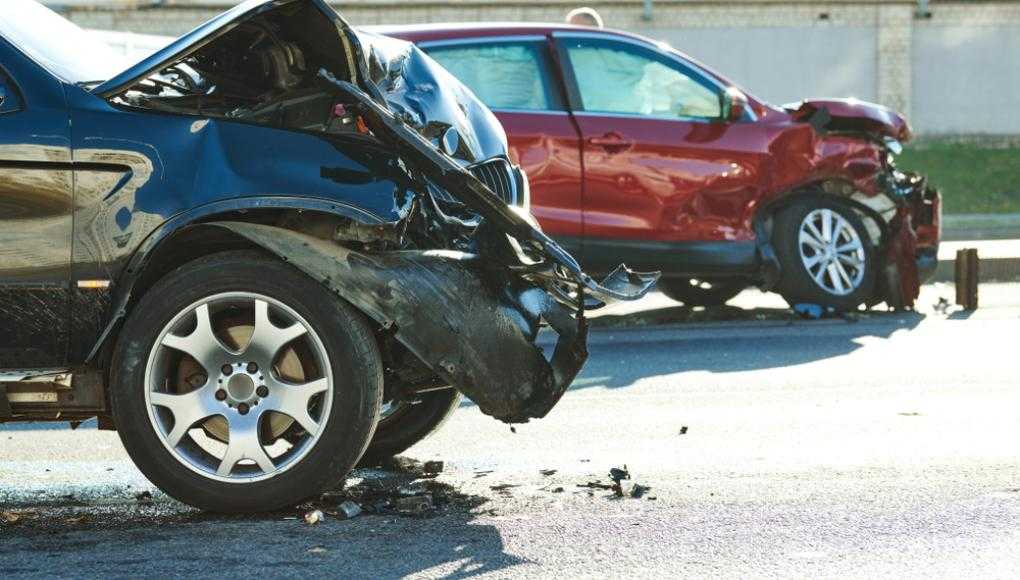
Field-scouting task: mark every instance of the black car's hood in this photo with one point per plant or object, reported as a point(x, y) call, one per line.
point(427, 97)
point(420, 91)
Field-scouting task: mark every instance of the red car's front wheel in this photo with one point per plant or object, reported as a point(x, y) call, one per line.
point(826, 254)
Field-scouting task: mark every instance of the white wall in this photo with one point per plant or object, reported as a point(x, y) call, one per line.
point(772, 62)
point(967, 79)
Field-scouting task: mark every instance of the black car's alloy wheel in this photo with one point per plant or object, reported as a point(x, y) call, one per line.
point(239, 384)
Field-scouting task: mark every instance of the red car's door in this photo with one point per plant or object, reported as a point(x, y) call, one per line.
point(513, 77)
point(665, 176)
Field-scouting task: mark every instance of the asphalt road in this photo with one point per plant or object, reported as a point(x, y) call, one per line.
point(886, 446)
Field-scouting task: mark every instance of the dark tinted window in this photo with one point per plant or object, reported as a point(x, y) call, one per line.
point(504, 75)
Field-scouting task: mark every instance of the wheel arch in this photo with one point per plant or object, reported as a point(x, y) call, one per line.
point(190, 235)
point(835, 189)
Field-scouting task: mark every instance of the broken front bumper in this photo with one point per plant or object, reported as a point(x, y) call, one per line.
point(911, 250)
point(474, 326)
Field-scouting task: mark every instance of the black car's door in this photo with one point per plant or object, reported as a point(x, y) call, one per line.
point(35, 215)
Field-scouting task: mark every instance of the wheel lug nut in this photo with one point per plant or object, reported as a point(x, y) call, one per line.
point(253, 368)
point(227, 369)
point(243, 408)
point(263, 391)
point(221, 395)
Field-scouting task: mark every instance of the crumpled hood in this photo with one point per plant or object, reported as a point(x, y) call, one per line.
point(427, 97)
point(853, 115)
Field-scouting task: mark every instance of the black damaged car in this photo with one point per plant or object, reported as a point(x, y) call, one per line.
point(273, 249)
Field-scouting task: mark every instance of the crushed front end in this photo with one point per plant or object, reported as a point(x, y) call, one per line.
point(443, 256)
point(853, 149)
point(463, 281)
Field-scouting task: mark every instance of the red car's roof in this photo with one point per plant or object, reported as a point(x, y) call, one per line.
point(453, 31)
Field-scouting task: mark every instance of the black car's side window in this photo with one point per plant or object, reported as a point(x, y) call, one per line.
point(622, 78)
point(10, 98)
point(510, 75)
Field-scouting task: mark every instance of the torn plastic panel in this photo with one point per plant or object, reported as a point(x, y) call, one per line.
point(474, 326)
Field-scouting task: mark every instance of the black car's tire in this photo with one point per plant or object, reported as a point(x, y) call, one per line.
point(408, 424)
point(806, 261)
point(693, 292)
point(342, 338)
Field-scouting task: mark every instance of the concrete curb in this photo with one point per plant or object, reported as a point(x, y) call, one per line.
point(981, 226)
point(1000, 259)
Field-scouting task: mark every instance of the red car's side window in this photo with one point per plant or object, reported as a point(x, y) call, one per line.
point(618, 79)
point(506, 75)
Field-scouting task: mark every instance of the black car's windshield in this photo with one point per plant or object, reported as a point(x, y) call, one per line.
point(61, 46)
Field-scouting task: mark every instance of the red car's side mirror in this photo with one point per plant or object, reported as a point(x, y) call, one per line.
point(735, 105)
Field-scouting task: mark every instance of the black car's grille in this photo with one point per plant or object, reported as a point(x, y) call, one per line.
point(499, 176)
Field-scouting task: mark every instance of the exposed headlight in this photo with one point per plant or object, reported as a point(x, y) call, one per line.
point(894, 146)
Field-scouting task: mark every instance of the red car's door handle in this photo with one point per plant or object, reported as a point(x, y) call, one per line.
point(611, 142)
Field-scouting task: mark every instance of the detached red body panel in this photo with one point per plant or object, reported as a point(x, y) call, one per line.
point(684, 192)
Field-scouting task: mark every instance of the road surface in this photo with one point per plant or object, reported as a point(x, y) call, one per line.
point(886, 446)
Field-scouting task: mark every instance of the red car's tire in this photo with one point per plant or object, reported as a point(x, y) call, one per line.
point(826, 254)
point(694, 292)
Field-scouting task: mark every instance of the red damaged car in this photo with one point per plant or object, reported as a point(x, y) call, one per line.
point(638, 153)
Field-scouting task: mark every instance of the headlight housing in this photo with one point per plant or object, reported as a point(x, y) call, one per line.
point(893, 145)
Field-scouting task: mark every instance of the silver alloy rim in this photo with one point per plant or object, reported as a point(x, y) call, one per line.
point(242, 394)
point(832, 252)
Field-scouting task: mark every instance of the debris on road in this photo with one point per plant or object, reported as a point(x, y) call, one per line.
point(618, 475)
point(504, 488)
point(548, 472)
point(415, 505)
point(318, 550)
point(812, 311)
point(314, 517)
point(10, 517)
point(942, 306)
point(683, 430)
point(349, 510)
point(144, 497)
point(403, 486)
point(638, 491)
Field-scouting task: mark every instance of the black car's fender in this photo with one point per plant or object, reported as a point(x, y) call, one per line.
point(473, 326)
point(138, 271)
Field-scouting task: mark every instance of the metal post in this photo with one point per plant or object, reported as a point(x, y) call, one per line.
point(649, 11)
point(968, 274)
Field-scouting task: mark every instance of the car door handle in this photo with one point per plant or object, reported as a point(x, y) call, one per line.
point(611, 142)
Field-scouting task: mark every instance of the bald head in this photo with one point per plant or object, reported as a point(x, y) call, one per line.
point(584, 17)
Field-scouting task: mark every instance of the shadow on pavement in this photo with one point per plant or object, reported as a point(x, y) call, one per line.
point(162, 536)
point(650, 349)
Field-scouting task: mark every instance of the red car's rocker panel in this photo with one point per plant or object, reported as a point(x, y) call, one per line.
point(638, 153)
